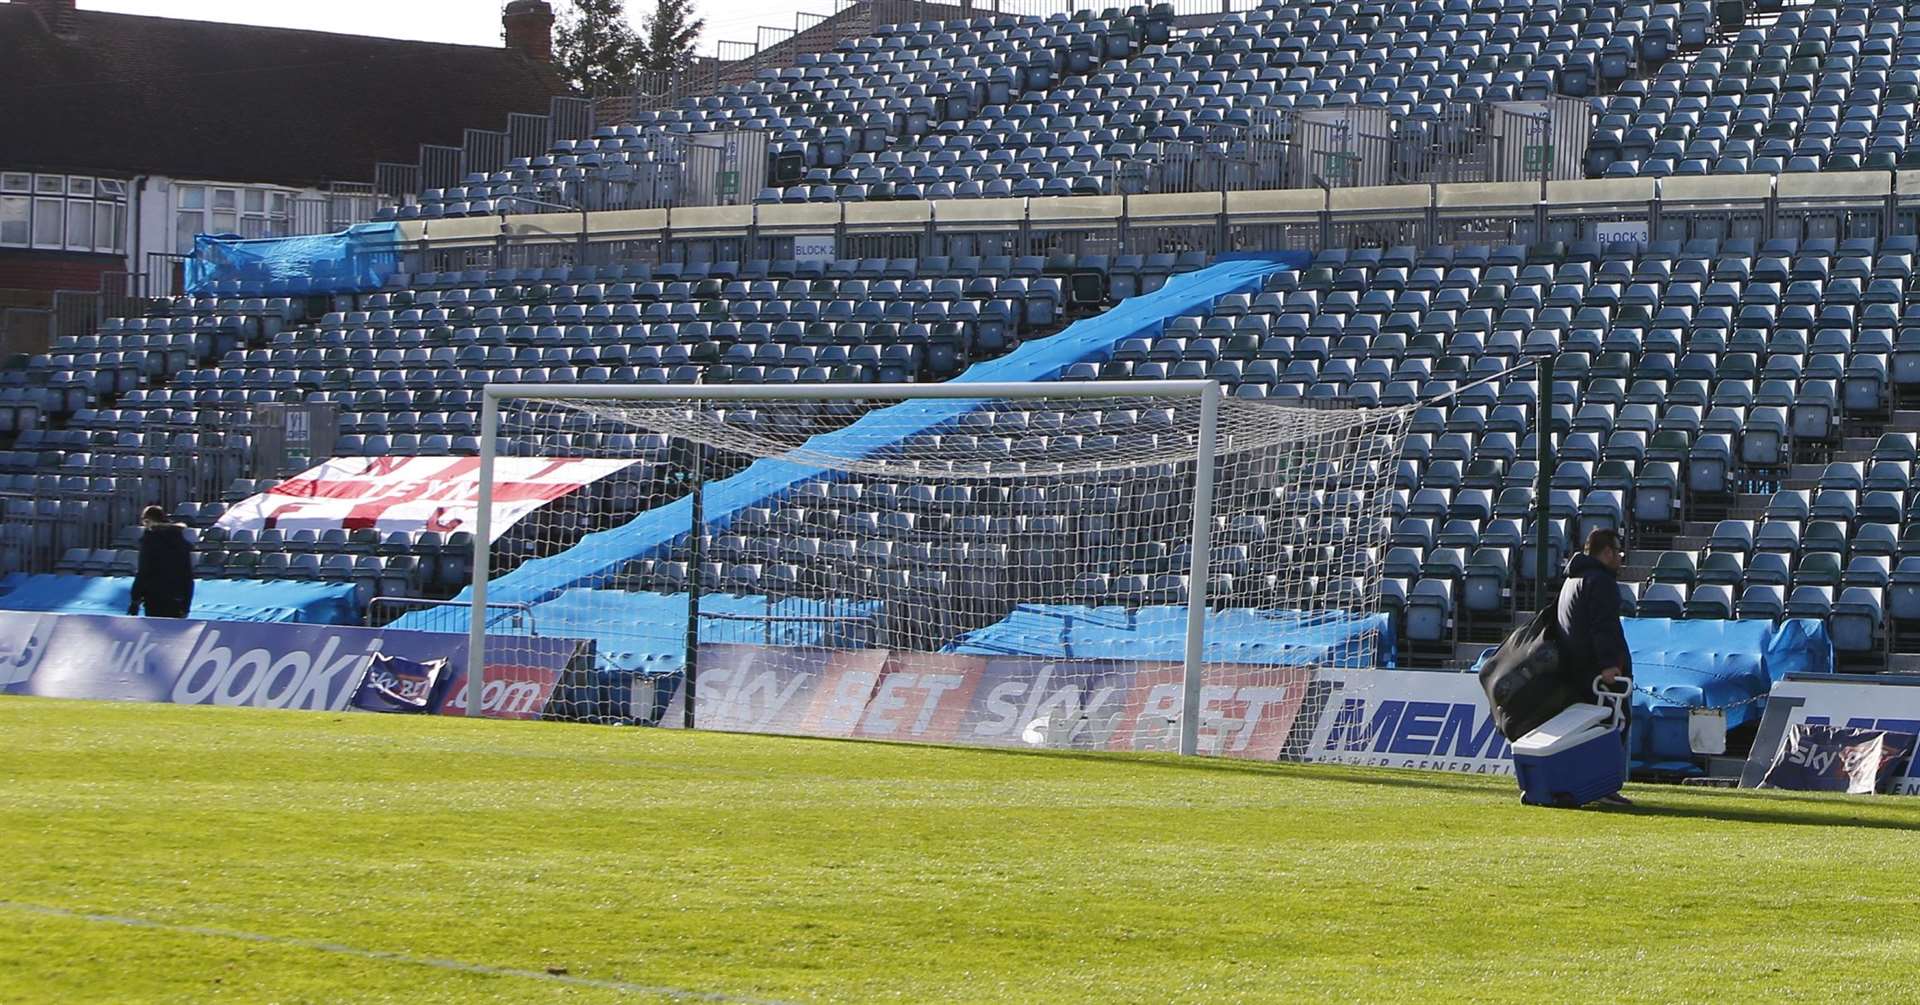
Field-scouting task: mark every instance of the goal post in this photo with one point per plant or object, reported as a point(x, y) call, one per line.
point(1146, 540)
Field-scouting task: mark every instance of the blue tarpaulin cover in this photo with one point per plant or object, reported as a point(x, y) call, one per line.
point(1237, 635)
point(1717, 664)
point(213, 599)
point(768, 480)
point(647, 632)
point(356, 259)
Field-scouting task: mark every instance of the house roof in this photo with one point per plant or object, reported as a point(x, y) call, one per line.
point(127, 94)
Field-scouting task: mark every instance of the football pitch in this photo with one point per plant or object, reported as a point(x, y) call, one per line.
point(175, 854)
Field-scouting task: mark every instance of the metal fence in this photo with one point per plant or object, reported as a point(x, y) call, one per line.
point(527, 135)
point(165, 274)
point(1465, 144)
point(569, 118)
point(440, 166)
point(394, 184)
point(1239, 165)
point(79, 312)
point(349, 203)
point(482, 151)
point(705, 169)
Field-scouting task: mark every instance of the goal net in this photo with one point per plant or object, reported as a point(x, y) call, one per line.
point(1142, 565)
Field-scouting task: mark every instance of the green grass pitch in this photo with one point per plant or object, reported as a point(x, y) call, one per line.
point(154, 853)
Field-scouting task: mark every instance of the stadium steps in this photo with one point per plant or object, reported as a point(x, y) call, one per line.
point(1761, 20)
point(1807, 475)
point(1639, 564)
point(1693, 536)
point(1747, 505)
point(1803, 476)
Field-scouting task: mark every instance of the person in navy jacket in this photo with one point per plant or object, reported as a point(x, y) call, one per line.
point(1591, 636)
point(164, 582)
point(1590, 608)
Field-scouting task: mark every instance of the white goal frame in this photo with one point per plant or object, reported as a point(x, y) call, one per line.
point(1206, 391)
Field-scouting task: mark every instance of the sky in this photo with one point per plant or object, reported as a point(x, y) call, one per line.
point(466, 22)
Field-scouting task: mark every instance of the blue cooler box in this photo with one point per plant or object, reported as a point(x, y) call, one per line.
point(1572, 760)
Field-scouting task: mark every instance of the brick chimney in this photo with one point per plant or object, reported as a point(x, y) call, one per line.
point(529, 26)
point(57, 15)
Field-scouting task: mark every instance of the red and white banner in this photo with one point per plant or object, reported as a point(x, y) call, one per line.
point(391, 494)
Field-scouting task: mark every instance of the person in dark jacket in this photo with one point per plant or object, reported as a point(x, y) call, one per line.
point(1590, 608)
point(164, 582)
point(1590, 632)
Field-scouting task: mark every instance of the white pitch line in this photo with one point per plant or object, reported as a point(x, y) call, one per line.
point(678, 994)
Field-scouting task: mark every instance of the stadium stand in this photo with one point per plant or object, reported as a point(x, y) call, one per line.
point(1695, 408)
point(1828, 86)
point(1737, 403)
point(1708, 401)
point(1123, 100)
point(1105, 102)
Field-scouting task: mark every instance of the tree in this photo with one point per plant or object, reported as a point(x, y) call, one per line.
point(596, 49)
point(670, 34)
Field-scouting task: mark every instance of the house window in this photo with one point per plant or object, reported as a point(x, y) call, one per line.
point(185, 228)
point(49, 223)
point(256, 222)
point(249, 212)
point(225, 218)
point(60, 212)
point(107, 226)
point(110, 216)
point(79, 225)
point(16, 220)
point(191, 219)
point(279, 210)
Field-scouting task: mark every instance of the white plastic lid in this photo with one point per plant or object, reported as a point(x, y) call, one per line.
point(1569, 729)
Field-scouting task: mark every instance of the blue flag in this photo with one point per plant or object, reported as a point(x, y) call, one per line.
point(393, 684)
point(1838, 759)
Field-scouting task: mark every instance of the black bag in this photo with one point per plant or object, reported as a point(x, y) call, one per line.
point(1528, 679)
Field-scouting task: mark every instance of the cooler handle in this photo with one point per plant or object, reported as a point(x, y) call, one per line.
point(1612, 700)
